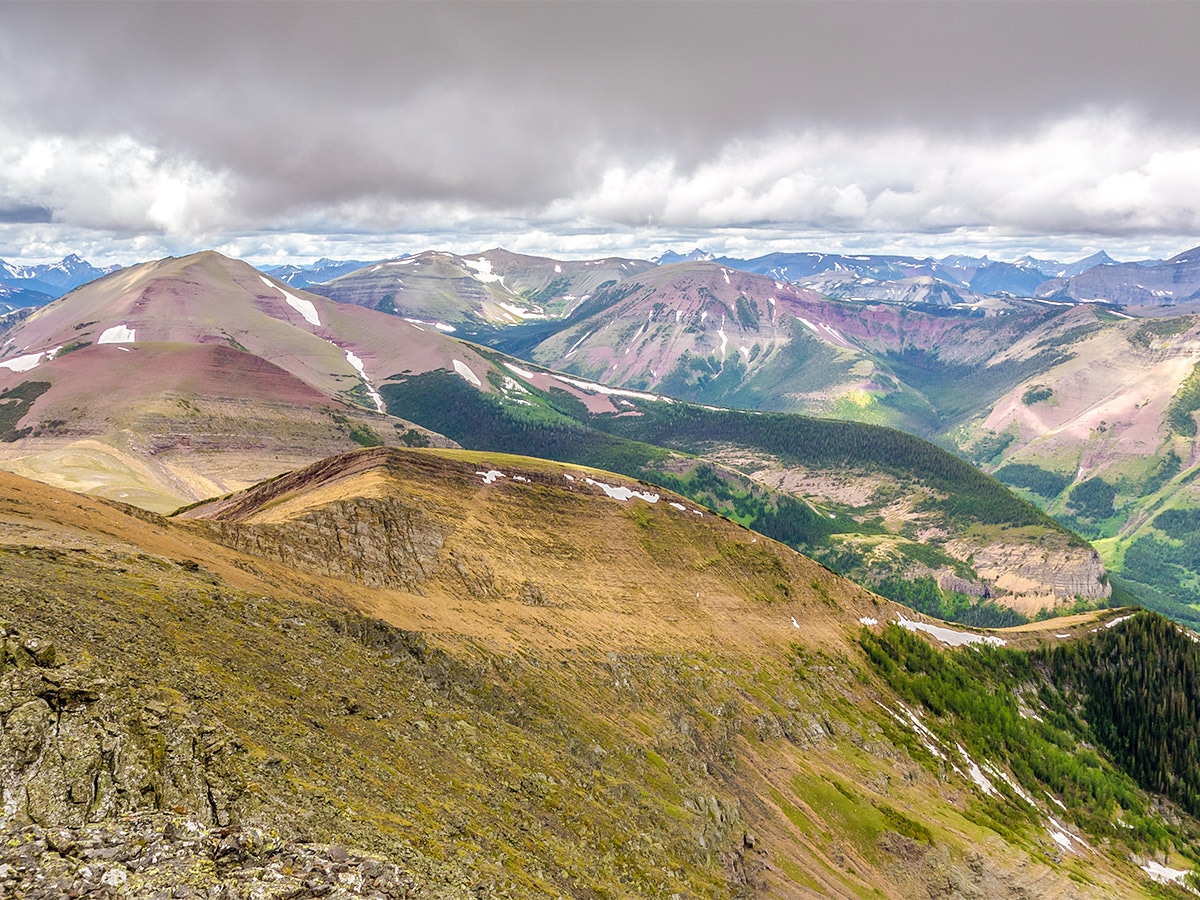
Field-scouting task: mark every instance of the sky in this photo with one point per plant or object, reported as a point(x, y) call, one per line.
point(284, 132)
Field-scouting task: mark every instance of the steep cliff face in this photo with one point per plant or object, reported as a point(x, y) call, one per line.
point(376, 543)
point(74, 750)
point(1027, 569)
point(1029, 577)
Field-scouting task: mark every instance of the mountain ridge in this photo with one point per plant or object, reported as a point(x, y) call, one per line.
point(436, 731)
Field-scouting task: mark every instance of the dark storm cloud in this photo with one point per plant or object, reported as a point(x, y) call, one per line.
point(372, 115)
point(24, 214)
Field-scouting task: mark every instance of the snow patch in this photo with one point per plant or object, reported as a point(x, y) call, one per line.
point(514, 386)
point(465, 371)
point(976, 773)
point(611, 392)
point(371, 392)
point(521, 312)
point(1062, 837)
point(118, 334)
point(300, 305)
point(441, 326)
point(867, 620)
point(490, 476)
point(620, 492)
point(1115, 622)
point(679, 506)
point(725, 272)
point(517, 371)
point(1164, 874)
point(949, 636)
point(558, 269)
point(22, 363)
point(575, 346)
point(483, 270)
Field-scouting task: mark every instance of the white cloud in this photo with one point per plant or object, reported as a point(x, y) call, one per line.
point(1091, 174)
point(1093, 181)
point(114, 184)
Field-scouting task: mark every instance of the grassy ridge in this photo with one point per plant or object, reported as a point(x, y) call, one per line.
point(969, 494)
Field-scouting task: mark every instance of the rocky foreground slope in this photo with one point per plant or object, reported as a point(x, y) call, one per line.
point(545, 680)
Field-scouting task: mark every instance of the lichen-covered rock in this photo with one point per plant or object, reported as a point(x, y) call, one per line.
point(75, 750)
point(172, 856)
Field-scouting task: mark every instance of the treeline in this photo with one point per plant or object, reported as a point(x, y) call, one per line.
point(974, 699)
point(1033, 478)
point(924, 595)
point(443, 402)
point(830, 444)
point(1169, 568)
point(1140, 684)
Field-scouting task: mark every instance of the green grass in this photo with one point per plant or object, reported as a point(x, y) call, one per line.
point(15, 402)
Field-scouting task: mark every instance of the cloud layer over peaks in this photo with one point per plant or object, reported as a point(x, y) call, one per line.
point(185, 125)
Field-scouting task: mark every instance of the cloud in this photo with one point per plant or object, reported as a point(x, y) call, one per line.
point(113, 184)
point(24, 213)
point(1097, 174)
point(179, 125)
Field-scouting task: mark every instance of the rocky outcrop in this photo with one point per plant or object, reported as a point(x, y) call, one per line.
point(75, 750)
point(171, 856)
point(376, 543)
point(1029, 576)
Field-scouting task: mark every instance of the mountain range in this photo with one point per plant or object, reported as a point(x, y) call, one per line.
point(436, 618)
point(1028, 389)
point(257, 379)
point(50, 279)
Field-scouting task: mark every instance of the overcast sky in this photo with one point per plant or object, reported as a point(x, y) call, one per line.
point(284, 131)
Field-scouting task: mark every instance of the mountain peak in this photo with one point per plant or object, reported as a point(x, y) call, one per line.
point(695, 255)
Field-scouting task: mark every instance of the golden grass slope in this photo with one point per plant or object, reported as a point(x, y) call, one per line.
point(571, 695)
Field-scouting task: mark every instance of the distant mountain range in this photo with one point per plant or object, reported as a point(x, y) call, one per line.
point(315, 273)
point(863, 276)
point(48, 280)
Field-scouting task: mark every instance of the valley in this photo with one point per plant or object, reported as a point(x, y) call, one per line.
point(587, 451)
